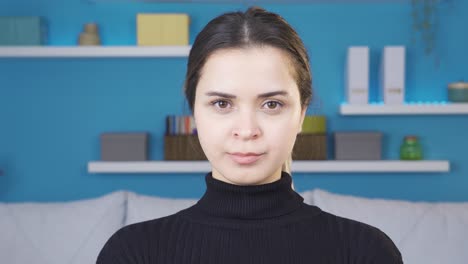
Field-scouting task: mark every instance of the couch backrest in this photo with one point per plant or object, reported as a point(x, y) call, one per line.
point(75, 232)
point(59, 233)
point(425, 233)
point(145, 207)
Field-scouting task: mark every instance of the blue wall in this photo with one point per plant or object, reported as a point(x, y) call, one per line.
point(52, 111)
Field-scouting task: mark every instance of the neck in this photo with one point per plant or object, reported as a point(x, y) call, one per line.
point(226, 200)
point(247, 179)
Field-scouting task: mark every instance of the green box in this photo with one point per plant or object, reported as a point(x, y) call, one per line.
point(23, 31)
point(314, 124)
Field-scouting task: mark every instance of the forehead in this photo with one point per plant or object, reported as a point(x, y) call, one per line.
point(248, 70)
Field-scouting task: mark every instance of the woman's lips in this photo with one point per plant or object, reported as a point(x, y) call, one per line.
point(245, 159)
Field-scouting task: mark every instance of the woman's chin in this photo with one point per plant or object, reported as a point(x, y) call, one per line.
point(245, 176)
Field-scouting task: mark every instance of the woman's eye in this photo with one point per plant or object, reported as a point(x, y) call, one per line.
point(272, 105)
point(220, 104)
point(224, 105)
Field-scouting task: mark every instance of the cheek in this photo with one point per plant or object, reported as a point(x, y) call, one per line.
point(282, 134)
point(281, 137)
point(206, 125)
point(209, 133)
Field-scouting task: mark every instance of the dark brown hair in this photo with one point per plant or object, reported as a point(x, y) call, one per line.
point(254, 28)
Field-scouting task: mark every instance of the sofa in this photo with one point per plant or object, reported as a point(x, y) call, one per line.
point(74, 232)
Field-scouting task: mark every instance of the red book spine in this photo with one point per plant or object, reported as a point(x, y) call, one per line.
point(187, 125)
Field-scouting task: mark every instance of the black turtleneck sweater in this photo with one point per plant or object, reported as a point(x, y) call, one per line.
point(261, 224)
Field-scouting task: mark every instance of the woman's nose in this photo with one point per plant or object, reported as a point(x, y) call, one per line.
point(246, 127)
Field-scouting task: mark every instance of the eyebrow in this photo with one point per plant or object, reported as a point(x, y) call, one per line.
point(263, 95)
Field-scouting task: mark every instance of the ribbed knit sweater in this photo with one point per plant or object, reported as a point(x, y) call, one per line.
point(261, 224)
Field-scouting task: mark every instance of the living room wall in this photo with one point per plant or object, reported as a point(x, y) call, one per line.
point(52, 111)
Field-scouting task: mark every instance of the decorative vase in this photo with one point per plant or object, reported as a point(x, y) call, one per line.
point(90, 35)
point(411, 149)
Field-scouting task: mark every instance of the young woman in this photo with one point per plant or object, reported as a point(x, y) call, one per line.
point(248, 85)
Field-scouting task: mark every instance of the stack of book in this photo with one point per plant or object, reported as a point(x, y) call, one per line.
point(181, 140)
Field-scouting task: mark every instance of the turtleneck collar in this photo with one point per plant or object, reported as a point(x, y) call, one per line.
point(227, 200)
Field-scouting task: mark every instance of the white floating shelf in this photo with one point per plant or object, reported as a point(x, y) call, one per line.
point(148, 166)
point(405, 109)
point(93, 51)
point(371, 166)
point(329, 166)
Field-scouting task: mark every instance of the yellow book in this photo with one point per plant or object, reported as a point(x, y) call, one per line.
point(155, 29)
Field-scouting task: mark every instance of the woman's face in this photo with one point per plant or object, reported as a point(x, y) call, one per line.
point(247, 101)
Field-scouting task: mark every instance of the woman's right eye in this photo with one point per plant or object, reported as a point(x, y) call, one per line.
point(222, 104)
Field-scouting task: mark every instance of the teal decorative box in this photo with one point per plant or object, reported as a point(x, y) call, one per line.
point(22, 30)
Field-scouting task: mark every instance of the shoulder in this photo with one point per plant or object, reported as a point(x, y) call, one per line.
point(125, 244)
point(367, 242)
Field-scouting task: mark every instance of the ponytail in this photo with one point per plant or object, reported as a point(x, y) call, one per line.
point(287, 165)
point(287, 168)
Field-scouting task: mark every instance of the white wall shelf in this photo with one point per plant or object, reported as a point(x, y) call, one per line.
point(329, 166)
point(406, 109)
point(93, 51)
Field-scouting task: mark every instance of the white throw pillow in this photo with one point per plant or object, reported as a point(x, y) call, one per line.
point(59, 232)
point(424, 232)
point(144, 207)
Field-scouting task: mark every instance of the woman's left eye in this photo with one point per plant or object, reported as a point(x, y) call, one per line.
point(272, 105)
